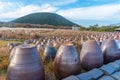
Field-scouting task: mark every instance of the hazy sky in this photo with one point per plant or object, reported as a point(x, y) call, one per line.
point(84, 12)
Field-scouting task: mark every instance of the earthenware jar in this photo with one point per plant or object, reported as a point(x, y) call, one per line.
point(66, 61)
point(25, 64)
point(49, 53)
point(91, 55)
point(110, 50)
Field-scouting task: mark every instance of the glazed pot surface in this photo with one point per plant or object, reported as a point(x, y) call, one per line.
point(91, 55)
point(110, 50)
point(49, 53)
point(66, 62)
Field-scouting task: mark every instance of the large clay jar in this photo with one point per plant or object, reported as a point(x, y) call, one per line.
point(49, 53)
point(91, 55)
point(25, 64)
point(110, 50)
point(66, 61)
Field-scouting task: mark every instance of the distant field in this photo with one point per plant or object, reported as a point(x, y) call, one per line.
point(5, 28)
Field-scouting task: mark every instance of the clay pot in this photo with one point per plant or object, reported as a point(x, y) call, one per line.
point(10, 46)
point(40, 47)
point(49, 43)
point(66, 61)
point(110, 51)
point(25, 64)
point(55, 44)
point(91, 55)
point(49, 53)
point(37, 42)
point(26, 42)
point(34, 41)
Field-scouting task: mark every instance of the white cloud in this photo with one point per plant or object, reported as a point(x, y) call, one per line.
point(8, 6)
point(104, 12)
point(23, 10)
point(63, 2)
point(58, 2)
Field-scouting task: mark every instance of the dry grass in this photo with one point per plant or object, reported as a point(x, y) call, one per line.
point(3, 59)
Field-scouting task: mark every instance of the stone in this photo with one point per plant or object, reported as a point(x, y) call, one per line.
point(85, 76)
point(96, 73)
point(71, 78)
point(106, 78)
point(117, 62)
point(116, 75)
point(107, 69)
point(115, 66)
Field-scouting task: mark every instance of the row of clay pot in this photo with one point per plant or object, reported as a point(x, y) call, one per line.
point(67, 61)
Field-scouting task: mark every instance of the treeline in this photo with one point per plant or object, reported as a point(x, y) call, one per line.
point(96, 27)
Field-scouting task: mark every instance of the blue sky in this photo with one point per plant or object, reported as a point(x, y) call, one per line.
point(83, 12)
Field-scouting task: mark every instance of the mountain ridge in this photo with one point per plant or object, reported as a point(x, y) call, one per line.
point(44, 18)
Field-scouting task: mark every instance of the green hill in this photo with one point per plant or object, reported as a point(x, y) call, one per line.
point(44, 18)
